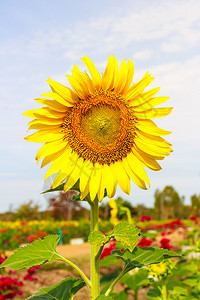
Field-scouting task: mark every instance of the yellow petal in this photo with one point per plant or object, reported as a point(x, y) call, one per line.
point(150, 127)
point(96, 78)
point(151, 149)
point(95, 180)
point(50, 148)
point(129, 76)
point(156, 140)
point(101, 190)
point(85, 175)
point(62, 91)
point(66, 169)
point(122, 76)
point(52, 104)
point(137, 168)
point(85, 192)
point(143, 97)
point(138, 181)
point(138, 87)
point(109, 179)
point(121, 176)
point(44, 120)
point(146, 160)
point(56, 164)
point(77, 87)
point(108, 74)
point(48, 159)
point(44, 127)
point(58, 99)
point(44, 136)
point(85, 81)
point(48, 113)
point(75, 174)
point(153, 113)
point(150, 103)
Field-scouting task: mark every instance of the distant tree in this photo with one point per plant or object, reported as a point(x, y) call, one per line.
point(63, 207)
point(27, 211)
point(195, 205)
point(168, 203)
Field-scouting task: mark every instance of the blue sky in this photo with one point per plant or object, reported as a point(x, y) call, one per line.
point(46, 38)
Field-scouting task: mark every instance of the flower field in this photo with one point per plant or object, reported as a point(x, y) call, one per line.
point(181, 276)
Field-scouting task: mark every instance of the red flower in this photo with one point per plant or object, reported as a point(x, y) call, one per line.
point(145, 242)
point(108, 250)
point(165, 243)
point(145, 218)
point(195, 219)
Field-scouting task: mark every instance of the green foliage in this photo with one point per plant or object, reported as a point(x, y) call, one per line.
point(120, 296)
point(109, 261)
point(127, 234)
point(98, 238)
point(168, 203)
point(65, 289)
point(37, 253)
point(140, 257)
point(135, 280)
point(27, 211)
point(123, 232)
point(103, 297)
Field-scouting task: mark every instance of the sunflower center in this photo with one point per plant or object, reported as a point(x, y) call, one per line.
point(100, 128)
point(101, 124)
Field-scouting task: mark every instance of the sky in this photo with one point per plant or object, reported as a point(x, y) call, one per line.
point(46, 38)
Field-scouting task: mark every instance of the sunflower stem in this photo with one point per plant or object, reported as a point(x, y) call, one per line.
point(94, 261)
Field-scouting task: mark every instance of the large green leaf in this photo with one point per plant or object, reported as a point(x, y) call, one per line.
point(37, 253)
point(64, 290)
point(127, 234)
point(98, 238)
point(140, 257)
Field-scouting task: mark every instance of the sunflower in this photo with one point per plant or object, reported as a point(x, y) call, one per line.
point(100, 132)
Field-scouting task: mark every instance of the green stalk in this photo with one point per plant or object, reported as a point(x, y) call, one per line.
point(94, 260)
point(164, 290)
point(109, 290)
point(59, 257)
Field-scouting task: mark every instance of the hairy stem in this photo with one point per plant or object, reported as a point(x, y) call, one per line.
point(87, 281)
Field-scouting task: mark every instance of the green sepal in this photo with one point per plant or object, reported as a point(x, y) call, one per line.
point(98, 238)
point(66, 289)
point(37, 253)
point(145, 256)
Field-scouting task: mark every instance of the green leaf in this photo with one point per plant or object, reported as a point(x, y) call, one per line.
point(109, 261)
point(64, 290)
point(103, 297)
point(98, 238)
point(37, 253)
point(120, 296)
point(140, 257)
point(127, 234)
point(135, 280)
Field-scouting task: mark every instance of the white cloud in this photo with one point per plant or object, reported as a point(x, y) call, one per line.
point(142, 55)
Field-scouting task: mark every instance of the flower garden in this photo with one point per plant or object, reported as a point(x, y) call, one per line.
point(179, 276)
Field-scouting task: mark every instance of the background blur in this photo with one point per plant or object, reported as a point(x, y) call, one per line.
point(46, 38)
